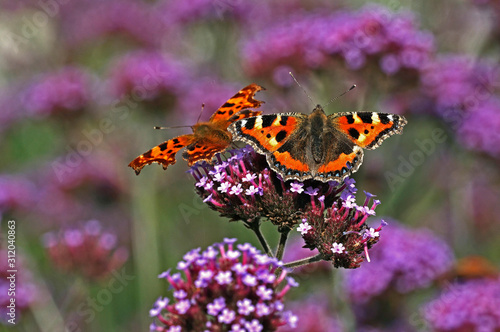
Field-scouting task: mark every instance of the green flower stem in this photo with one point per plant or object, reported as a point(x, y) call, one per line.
point(254, 225)
point(304, 261)
point(281, 246)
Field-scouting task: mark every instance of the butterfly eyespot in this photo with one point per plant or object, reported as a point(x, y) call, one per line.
point(337, 174)
point(297, 173)
point(322, 175)
point(276, 164)
point(348, 164)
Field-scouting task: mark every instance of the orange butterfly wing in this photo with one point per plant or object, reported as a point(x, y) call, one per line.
point(215, 137)
point(242, 100)
point(163, 154)
point(368, 129)
point(317, 146)
point(208, 138)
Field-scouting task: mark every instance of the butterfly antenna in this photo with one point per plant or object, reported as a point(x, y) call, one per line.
point(201, 112)
point(301, 87)
point(156, 127)
point(199, 116)
point(340, 95)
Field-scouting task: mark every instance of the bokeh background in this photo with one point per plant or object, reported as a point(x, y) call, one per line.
point(82, 83)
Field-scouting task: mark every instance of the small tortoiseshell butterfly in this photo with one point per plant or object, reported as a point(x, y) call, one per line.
point(207, 138)
point(316, 146)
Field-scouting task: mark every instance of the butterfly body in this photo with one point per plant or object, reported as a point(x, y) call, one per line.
point(316, 146)
point(208, 138)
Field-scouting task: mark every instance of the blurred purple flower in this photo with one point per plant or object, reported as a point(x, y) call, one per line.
point(472, 306)
point(464, 93)
point(314, 315)
point(457, 84)
point(147, 75)
point(137, 20)
point(16, 192)
point(404, 259)
point(310, 40)
point(481, 129)
point(67, 90)
point(225, 288)
point(86, 249)
point(73, 188)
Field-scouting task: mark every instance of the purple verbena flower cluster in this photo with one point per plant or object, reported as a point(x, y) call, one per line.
point(87, 249)
point(313, 40)
point(225, 289)
point(244, 188)
point(404, 260)
point(472, 306)
point(340, 232)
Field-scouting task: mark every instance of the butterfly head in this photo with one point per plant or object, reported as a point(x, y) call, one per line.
point(318, 109)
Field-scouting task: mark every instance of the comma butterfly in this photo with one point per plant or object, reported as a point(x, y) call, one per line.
point(207, 138)
point(316, 146)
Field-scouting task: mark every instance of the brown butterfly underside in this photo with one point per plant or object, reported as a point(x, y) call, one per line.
point(208, 138)
point(316, 146)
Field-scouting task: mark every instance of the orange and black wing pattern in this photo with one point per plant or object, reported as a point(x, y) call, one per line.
point(281, 138)
point(163, 154)
point(204, 149)
point(368, 129)
point(244, 99)
point(208, 138)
